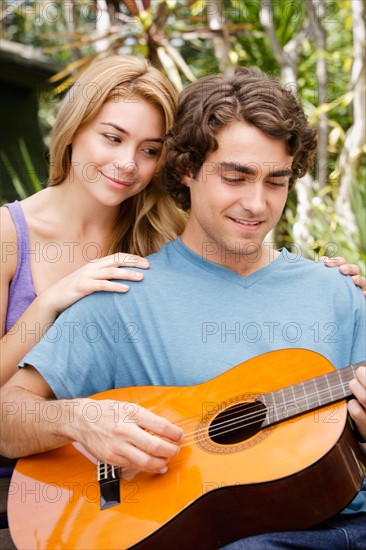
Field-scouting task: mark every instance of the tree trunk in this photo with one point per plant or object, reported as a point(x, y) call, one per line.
point(288, 60)
point(316, 11)
point(221, 38)
point(103, 24)
point(350, 157)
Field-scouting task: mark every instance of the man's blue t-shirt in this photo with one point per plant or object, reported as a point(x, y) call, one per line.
point(190, 319)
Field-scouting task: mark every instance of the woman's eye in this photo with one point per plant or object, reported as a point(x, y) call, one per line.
point(113, 138)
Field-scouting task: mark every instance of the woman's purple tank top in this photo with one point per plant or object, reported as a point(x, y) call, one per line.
point(21, 290)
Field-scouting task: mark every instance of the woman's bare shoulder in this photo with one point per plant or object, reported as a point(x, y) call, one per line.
point(9, 250)
point(7, 227)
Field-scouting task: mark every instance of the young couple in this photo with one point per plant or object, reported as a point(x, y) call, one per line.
point(236, 147)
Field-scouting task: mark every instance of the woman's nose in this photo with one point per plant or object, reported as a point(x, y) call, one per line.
point(124, 166)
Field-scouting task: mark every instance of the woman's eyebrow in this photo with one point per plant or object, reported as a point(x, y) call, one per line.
point(123, 131)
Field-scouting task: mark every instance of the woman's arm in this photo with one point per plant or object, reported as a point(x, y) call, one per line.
point(42, 312)
point(39, 316)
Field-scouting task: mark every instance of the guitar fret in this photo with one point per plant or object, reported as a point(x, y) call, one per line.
point(308, 395)
point(313, 401)
point(293, 392)
point(293, 406)
point(275, 409)
point(320, 388)
point(344, 389)
point(272, 416)
point(300, 397)
point(326, 378)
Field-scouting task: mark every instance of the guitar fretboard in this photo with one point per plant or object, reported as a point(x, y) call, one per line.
point(308, 395)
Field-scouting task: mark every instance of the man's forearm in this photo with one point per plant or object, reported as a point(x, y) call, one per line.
point(33, 423)
point(30, 424)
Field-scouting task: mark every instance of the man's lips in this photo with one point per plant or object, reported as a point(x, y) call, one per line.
point(247, 223)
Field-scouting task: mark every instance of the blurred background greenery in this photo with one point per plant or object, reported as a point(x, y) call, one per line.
point(317, 47)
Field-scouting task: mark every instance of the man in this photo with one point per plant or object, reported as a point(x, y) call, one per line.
point(212, 299)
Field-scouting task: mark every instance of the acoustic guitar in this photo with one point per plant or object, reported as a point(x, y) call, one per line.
point(268, 446)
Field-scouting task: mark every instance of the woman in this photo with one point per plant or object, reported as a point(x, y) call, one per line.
point(104, 196)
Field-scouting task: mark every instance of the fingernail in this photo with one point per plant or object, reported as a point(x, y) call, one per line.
point(163, 470)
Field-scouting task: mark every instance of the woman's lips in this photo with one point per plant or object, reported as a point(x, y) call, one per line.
point(120, 184)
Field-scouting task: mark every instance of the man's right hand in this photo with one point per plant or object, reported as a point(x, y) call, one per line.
point(123, 434)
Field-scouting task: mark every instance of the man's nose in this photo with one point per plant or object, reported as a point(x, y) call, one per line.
point(253, 198)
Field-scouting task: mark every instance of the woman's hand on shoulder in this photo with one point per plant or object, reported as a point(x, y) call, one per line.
point(95, 276)
point(346, 269)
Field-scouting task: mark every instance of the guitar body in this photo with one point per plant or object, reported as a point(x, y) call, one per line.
point(287, 476)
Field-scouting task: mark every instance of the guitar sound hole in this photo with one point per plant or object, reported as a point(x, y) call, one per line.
point(237, 423)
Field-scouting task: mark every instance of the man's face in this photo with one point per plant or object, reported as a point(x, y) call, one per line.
point(238, 195)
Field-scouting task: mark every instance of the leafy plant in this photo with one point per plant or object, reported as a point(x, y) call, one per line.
point(28, 182)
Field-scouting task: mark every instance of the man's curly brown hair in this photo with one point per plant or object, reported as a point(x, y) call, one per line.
point(207, 106)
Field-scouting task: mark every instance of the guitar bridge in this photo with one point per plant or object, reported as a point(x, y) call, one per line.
point(108, 479)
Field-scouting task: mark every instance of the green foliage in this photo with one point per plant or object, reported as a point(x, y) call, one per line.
point(28, 182)
point(48, 26)
point(359, 208)
point(327, 232)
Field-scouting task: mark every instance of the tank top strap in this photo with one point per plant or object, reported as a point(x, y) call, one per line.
point(23, 247)
point(21, 291)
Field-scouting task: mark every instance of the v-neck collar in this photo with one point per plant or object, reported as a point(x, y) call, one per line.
point(223, 272)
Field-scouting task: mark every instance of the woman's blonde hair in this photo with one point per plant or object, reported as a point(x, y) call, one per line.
point(149, 219)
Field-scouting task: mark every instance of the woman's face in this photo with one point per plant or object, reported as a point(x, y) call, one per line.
point(116, 154)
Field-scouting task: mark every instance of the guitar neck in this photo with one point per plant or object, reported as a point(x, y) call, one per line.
point(309, 395)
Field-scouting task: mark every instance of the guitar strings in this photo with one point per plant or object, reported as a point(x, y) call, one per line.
point(286, 392)
point(191, 437)
point(278, 405)
point(264, 397)
point(221, 427)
